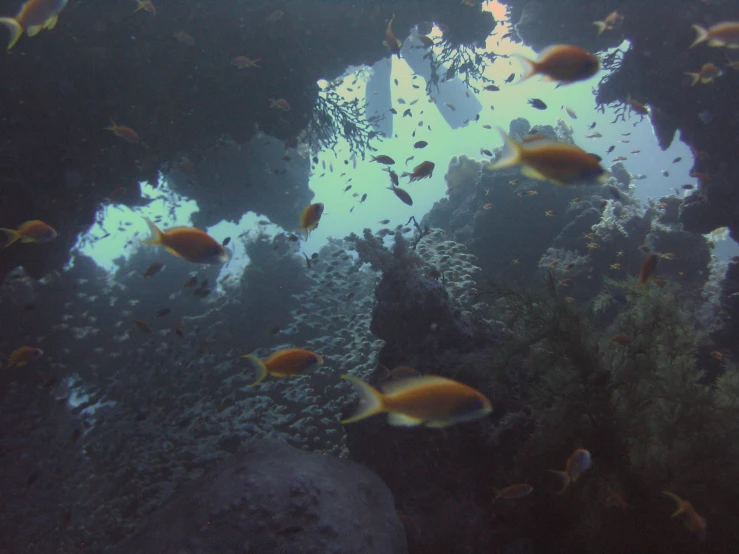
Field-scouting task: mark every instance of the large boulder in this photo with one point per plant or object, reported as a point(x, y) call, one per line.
point(270, 498)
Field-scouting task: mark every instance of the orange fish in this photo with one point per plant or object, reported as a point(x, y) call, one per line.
point(279, 104)
point(310, 218)
point(621, 339)
point(648, 268)
point(30, 231)
point(146, 5)
point(577, 464)
point(715, 354)
point(432, 401)
point(707, 74)
point(184, 38)
point(126, 133)
point(694, 522)
point(33, 16)
point(421, 171)
point(613, 21)
point(513, 492)
point(721, 34)
point(242, 62)
point(563, 63)
point(562, 163)
point(290, 361)
point(24, 355)
point(153, 269)
point(636, 106)
point(392, 43)
point(403, 195)
point(188, 243)
point(142, 325)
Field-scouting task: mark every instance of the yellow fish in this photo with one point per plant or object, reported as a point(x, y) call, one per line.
point(191, 244)
point(33, 16)
point(31, 231)
point(290, 361)
point(23, 355)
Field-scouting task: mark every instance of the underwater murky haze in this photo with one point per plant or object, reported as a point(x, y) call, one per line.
point(450, 273)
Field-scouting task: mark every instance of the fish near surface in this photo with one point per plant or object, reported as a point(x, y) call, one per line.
point(563, 63)
point(432, 401)
point(188, 243)
point(31, 231)
point(310, 217)
point(290, 361)
point(34, 16)
point(562, 163)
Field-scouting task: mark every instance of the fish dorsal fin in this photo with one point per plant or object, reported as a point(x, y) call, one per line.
point(401, 420)
point(413, 382)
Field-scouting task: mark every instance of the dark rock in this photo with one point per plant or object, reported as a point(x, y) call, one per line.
point(273, 498)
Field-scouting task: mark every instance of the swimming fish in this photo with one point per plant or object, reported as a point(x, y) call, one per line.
point(153, 269)
point(310, 217)
point(126, 133)
point(290, 361)
point(577, 464)
point(23, 355)
point(421, 144)
point(279, 104)
point(721, 34)
point(613, 21)
point(706, 75)
point(693, 521)
point(242, 62)
point(648, 269)
point(491, 88)
point(513, 492)
point(31, 231)
point(538, 104)
point(432, 401)
point(392, 43)
point(146, 5)
point(33, 17)
point(421, 171)
point(184, 38)
point(563, 63)
point(142, 325)
point(569, 111)
point(382, 159)
point(402, 194)
point(562, 163)
point(188, 243)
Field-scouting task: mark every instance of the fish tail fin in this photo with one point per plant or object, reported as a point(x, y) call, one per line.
point(694, 78)
point(261, 369)
point(371, 401)
point(15, 28)
point(679, 501)
point(156, 233)
point(13, 236)
point(702, 35)
point(511, 154)
point(601, 26)
point(111, 127)
point(565, 480)
point(529, 67)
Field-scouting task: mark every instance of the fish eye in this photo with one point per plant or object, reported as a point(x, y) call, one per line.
point(38, 353)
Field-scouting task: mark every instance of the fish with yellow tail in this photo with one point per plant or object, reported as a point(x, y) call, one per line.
point(548, 160)
point(33, 17)
point(707, 74)
point(23, 355)
point(430, 400)
point(391, 42)
point(284, 363)
point(610, 23)
point(310, 217)
point(722, 34)
point(31, 231)
point(562, 63)
point(577, 464)
point(188, 243)
point(693, 521)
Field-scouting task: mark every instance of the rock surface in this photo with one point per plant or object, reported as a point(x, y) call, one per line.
point(271, 498)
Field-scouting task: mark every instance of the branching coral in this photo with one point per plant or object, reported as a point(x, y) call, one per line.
point(465, 62)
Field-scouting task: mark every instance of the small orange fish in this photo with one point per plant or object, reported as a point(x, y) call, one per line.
point(577, 464)
point(126, 133)
point(707, 74)
point(146, 5)
point(694, 522)
point(33, 17)
point(24, 355)
point(513, 492)
point(613, 21)
point(184, 38)
point(279, 104)
point(153, 269)
point(562, 163)
point(715, 354)
point(721, 34)
point(432, 401)
point(421, 171)
point(290, 361)
point(242, 62)
point(30, 231)
point(188, 243)
point(310, 217)
point(402, 194)
point(142, 325)
point(636, 106)
point(562, 63)
point(392, 43)
point(648, 268)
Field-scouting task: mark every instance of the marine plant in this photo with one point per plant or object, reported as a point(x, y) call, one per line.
point(468, 63)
